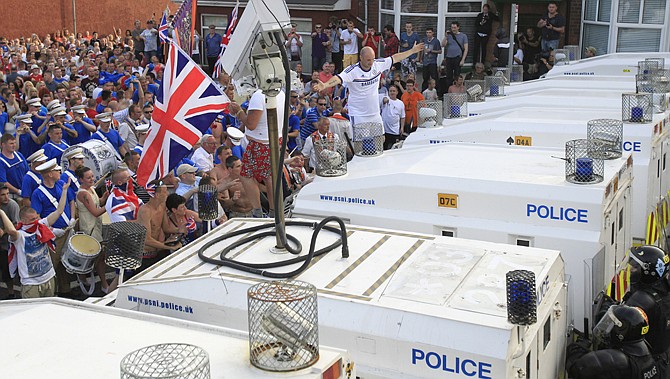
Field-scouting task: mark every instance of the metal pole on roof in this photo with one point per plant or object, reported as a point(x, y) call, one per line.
point(74, 15)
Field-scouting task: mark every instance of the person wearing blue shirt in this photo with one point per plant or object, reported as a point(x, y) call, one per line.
point(432, 48)
point(13, 165)
point(212, 47)
point(294, 127)
point(82, 124)
point(75, 159)
point(56, 146)
point(108, 135)
point(408, 39)
point(313, 115)
point(28, 128)
point(32, 179)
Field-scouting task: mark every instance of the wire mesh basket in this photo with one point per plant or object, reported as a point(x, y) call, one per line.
point(172, 360)
point(561, 57)
point(504, 72)
point(647, 67)
point(521, 297)
point(430, 114)
point(331, 157)
point(456, 105)
point(495, 86)
point(580, 166)
point(657, 83)
point(606, 136)
point(475, 90)
point(368, 139)
point(574, 53)
point(283, 325)
point(208, 202)
point(124, 243)
point(661, 62)
point(637, 107)
point(516, 75)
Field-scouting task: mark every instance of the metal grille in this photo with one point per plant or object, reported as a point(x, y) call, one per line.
point(657, 84)
point(661, 62)
point(495, 86)
point(521, 297)
point(503, 72)
point(517, 74)
point(283, 325)
point(430, 114)
point(208, 202)
point(636, 107)
point(574, 53)
point(475, 90)
point(606, 136)
point(368, 139)
point(124, 242)
point(170, 360)
point(580, 167)
point(331, 157)
point(456, 105)
point(647, 67)
point(561, 57)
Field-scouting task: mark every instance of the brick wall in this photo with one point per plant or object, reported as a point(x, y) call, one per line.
point(47, 16)
point(574, 21)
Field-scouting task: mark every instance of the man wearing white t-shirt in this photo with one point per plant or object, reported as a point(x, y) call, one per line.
point(362, 80)
point(349, 40)
point(393, 115)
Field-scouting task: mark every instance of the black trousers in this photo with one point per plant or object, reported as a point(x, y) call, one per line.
point(211, 61)
point(429, 72)
point(481, 44)
point(337, 60)
point(453, 69)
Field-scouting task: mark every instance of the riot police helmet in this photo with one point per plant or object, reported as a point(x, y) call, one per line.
point(622, 324)
point(647, 264)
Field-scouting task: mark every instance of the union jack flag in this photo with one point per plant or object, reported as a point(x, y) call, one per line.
point(124, 203)
point(218, 66)
point(186, 105)
point(163, 27)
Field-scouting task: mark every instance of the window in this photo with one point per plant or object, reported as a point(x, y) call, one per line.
point(605, 10)
point(612, 236)
point(528, 360)
point(654, 12)
point(596, 36)
point(387, 4)
point(664, 157)
point(590, 9)
point(419, 6)
point(547, 333)
point(621, 219)
point(388, 19)
point(467, 7)
point(448, 233)
point(629, 11)
point(631, 40)
point(524, 241)
point(304, 28)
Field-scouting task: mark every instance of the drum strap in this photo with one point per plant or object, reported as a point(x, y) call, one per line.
point(54, 202)
point(35, 177)
point(9, 165)
point(73, 177)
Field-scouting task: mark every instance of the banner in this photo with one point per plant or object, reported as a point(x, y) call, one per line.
point(184, 25)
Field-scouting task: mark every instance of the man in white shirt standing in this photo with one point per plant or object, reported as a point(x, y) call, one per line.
point(393, 115)
point(349, 40)
point(322, 132)
point(362, 80)
point(202, 156)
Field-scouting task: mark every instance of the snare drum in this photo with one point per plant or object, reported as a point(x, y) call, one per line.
point(79, 253)
point(99, 157)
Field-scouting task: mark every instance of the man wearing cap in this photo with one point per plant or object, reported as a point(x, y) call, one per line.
point(27, 141)
point(212, 47)
point(188, 184)
point(13, 165)
point(83, 125)
point(202, 156)
point(32, 179)
point(233, 139)
point(108, 135)
point(60, 115)
point(142, 132)
point(56, 146)
point(44, 202)
point(75, 159)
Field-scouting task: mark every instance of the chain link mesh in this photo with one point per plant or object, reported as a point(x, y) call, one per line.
point(430, 114)
point(495, 86)
point(660, 61)
point(517, 74)
point(456, 105)
point(647, 67)
point(606, 136)
point(561, 57)
point(580, 166)
point(208, 202)
point(574, 53)
point(503, 72)
point(475, 90)
point(124, 242)
point(331, 157)
point(164, 361)
point(368, 139)
point(637, 107)
point(521, 297)
point(283, 325)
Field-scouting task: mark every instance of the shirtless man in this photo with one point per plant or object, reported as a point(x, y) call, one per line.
point(238, 202)
point(220, 172)
point(153, 215)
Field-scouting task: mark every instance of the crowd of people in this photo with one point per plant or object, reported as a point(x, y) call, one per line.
point(66, 90)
